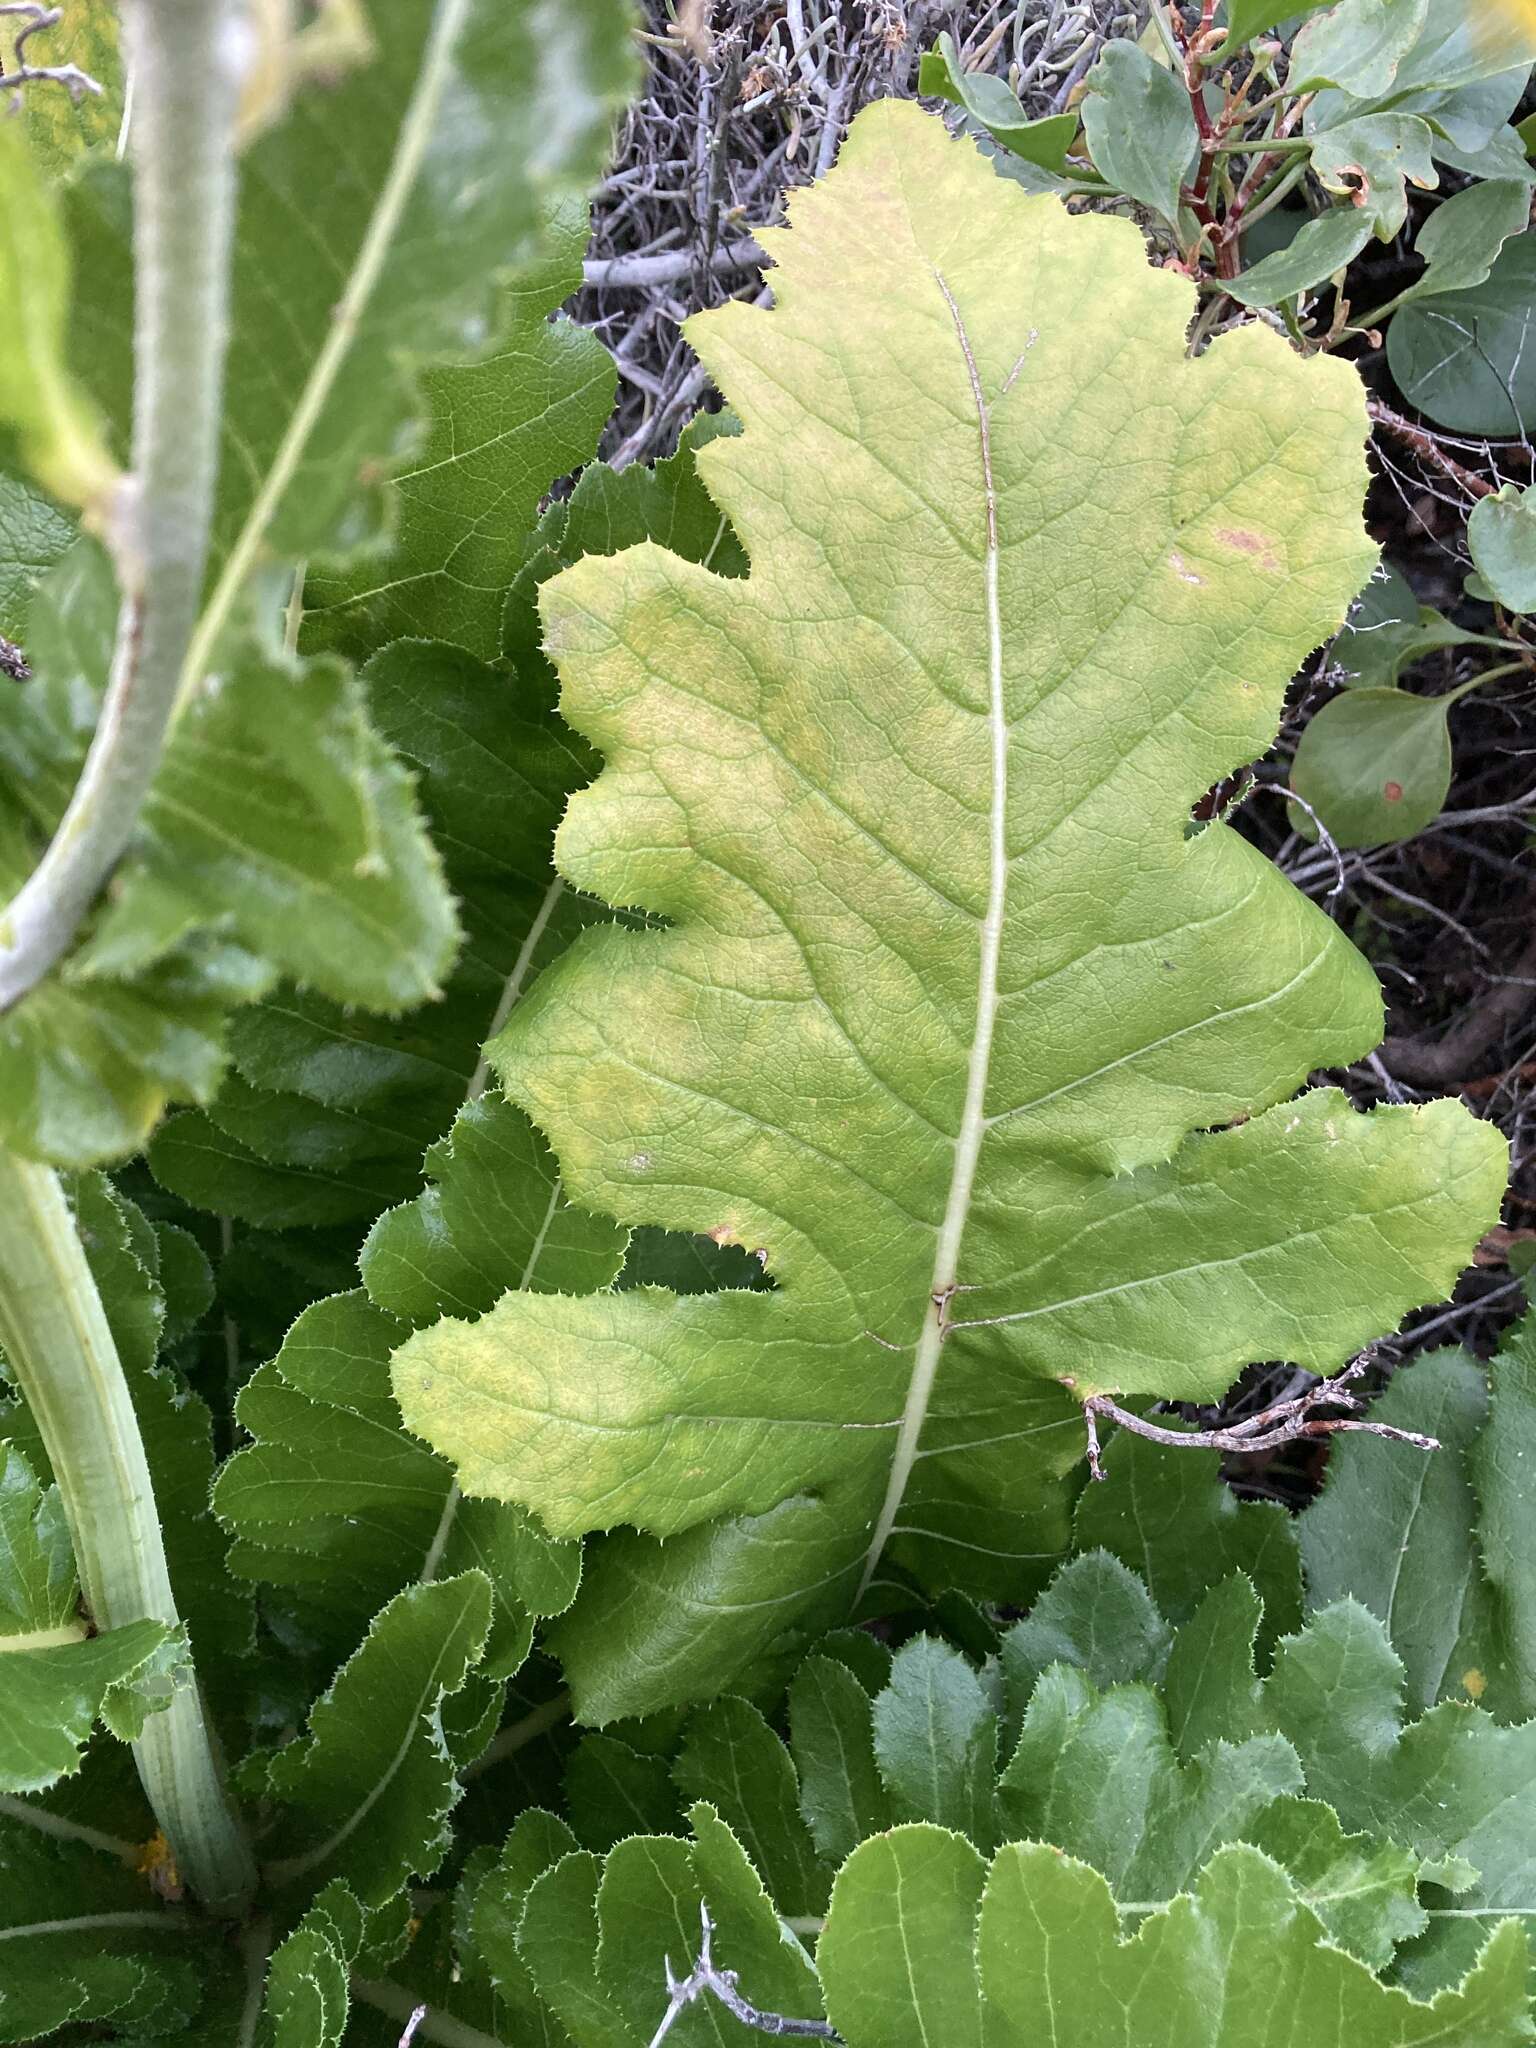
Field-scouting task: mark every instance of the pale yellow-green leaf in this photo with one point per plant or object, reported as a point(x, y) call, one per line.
point(946, 984)
point(60, 437)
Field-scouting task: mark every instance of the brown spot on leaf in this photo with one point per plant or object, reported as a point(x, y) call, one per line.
point(1257, 546)
point(1393, 792)
point(1473, 1683)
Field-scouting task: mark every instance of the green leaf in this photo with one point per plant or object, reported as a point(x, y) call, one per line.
point(1461, 240)
point(1501, 533)
point(612, 1791)
point(1441, 1552)
point(936, 1742)
point(1501, 1463)
point(1458, 47)
point(1096, 1615)
point(499, 431)
point(537, 1842)
point(992, 103)
point(732, 1759)
point(1371, 161)
point(335, 1508)
point(281, 835)
point(85, 1940)
point(843, 1079)
point(123, 1251)
point(52, 1696)
point(55, 1682)
point(1357, 46)
point(1460, 356)
point(1244, 1947)
point(923, 1942)
point(832, 1735)
point(280, 815)
point(1375, 765)
point(489, 110)
point(307, 2002)
point(1097, 1776)
point(492, 1219)
point(60, 124)
point(1249, 18)
point(59, 433)
point(331, 1110)
point(1166, 1514)
point(1323, 248)
point(1364, 1891)
point(366, 1795)
point(34, 535)
point(469, 108)
point(596, 1938)
point(38, 1590)
point(1388, 629)
point(1451, 1785)
point(1401, 1538)
point(1140, 127)
point(1210, 1692)
point(898, 1958)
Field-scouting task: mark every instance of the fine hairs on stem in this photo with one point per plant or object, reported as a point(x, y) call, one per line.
point(188, 58)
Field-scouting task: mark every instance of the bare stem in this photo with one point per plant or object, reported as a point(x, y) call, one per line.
point(186, 57)
point(60, 1349)
point(1283, 1423)
point(721, 1984)
point(1428, 449)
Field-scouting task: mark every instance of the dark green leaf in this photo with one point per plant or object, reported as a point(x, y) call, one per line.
point(1357, 46)
point(1166, 1514)
point(612, 1790)
point(1371, 161)
point(336, 1508)
point(366, 1795)
point(34, 535)
point(500, 430)
point(1324, 247)
point(1140, 127)
point(832, 1734)
point(1461, 240)
point(1375, 765)
point(1096, 1615)
point(1461, 357)
point(731, 1758)
point(84, 1939)
point(936, 1742)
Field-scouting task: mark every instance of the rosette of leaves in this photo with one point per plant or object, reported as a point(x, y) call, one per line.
point(1216, 1796)
point(952, 1020)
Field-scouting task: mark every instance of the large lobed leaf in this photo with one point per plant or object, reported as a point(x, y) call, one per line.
point(947, 983)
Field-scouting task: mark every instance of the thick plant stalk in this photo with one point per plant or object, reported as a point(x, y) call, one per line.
point(60, 1350)
point(187, 59)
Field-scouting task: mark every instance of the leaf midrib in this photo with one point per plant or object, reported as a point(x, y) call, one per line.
point(415, 134)
point(973, 1119)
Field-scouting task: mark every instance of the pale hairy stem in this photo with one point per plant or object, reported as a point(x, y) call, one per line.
point(60, 1350)
point(186, 58)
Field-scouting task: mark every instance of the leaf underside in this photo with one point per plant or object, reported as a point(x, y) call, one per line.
point(946, 984)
